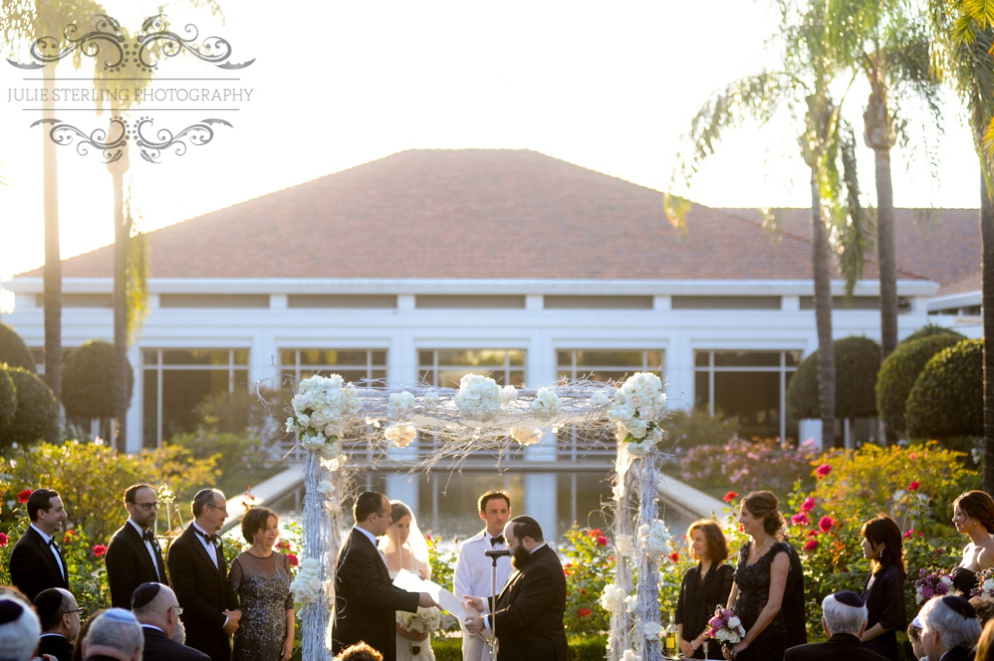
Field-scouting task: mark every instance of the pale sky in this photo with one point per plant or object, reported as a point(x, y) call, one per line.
point(608, 86)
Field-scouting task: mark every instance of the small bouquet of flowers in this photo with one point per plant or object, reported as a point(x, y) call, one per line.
point(426, 620)
point(725, 627)
point(929, 585)
point(985, 584)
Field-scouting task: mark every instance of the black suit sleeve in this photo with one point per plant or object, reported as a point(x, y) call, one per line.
point(121, 575)
point(532, 600)
point(195, 607)
point(358, 569)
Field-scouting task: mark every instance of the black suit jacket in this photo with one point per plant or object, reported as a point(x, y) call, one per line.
point(794, 607)
point(528, 617)
point(366, 600)
point(158, 647)
point(203, 592)
point(129, 565)
point(55, 644)
point(839, 646)
point(33, 568)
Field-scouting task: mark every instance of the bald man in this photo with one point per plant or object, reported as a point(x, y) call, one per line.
point(157, 610)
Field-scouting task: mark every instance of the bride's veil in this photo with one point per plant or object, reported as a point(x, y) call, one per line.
point(416, 558)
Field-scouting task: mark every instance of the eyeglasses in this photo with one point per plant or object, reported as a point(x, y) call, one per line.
point(178, 609)
point(148, 507)
point(222, 509)
point(75, 610)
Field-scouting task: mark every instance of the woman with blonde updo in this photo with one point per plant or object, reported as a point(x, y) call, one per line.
point(760, 578)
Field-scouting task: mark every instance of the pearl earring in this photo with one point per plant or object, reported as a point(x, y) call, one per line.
point(881, 554)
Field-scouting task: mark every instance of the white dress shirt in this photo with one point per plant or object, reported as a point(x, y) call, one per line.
point(150, 548)
point(211, 548)
point(474, 578)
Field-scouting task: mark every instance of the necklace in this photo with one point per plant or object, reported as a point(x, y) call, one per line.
point(756, 554)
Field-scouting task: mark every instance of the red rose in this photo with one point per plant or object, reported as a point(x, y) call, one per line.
point(582, 591)
point(99, 550)
point(800, 519)
point(823, 470)
point(730, 496)
point(3, 539)
point(292, 559)
point(601, 540)
point(812, 533)
point(909, 533)
point(811, 545)
point(675, 557)
point(913, 486)
point(825, 523)
point(583, 612)
point(808, 504)
point(23, 496)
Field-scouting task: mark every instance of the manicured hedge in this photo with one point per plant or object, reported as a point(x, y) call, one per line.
point(88, 380)
point(947, 400)
point(899, 372)
point(857, 361)
point(930, 330)
point(8, 399)
point(13, 351)
point(37, 415)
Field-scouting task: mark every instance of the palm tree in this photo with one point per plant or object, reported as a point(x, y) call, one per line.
point(826, 143)
point(888, 44)
point(963, 34)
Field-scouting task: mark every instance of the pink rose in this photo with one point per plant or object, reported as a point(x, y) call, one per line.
point(800, 519)
point(913, 486)
point(823, 470)
point(808, 504)
point(825, 523)
point(811, 545)
point(291, 559)
point(99, 550)
point(909, 533)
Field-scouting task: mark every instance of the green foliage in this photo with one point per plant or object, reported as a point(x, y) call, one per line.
point(8, 398)
point(749, 465)
point(241, 460)
point(931, 330)
point(947, 399)
point(690, 429)
point(584, 647)
point(857, 361)
point(901, 369)
point(92, 478)
point(589, 566)
point(13, 351)
point(37, 414)
point(88, 380)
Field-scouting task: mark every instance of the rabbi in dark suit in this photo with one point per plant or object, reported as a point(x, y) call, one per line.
point(133, 555)
point(199, 577)
point(367, 600)
point(36, 563)
point(843, 617)
point(528, 613)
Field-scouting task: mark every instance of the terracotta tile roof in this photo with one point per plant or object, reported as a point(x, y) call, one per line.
point(482, 214)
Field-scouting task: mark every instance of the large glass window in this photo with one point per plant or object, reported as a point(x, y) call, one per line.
point(352, 364)
point(444, 367)
point(749, 386)
point(574, 442)
point(175, 381)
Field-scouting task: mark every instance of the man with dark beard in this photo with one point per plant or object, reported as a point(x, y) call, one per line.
point(527, 615)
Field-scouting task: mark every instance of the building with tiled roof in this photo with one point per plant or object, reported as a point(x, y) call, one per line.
point(427, 264)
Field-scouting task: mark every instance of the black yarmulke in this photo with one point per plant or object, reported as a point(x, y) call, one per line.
point(849, 598)
point(145, 593)
point(47, 603)
point(10, 610)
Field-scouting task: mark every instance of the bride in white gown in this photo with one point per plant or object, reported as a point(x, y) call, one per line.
point(404, 547)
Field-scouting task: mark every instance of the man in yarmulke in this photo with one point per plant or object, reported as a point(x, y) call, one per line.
point(114, 635)
point(157, 610)
point(19, 629)
point(59, 614)
point(843, 617)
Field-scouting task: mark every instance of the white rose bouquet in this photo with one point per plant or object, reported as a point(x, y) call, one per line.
point(426, 621)
point(546, 404)
point(639, 407)
point(322, 408)
point(306, 586)
point(725, 627)
point(613, 599)
point(479, 398)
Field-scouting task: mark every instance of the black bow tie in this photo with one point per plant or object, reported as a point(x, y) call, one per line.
point(499, 539)
point(52, 543)
point(149, 537)
point(210, 538)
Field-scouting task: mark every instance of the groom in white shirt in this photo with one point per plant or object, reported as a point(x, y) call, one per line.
point(474, 570)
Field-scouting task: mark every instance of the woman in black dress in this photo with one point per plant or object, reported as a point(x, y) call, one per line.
point(760, 578)
point(704, 587)
point(884, 589)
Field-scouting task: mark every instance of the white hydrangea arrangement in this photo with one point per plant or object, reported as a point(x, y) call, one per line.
point(639, 407)
point(306, 586)
point(630, 655)
point(613, 599)
point(654, 540)
point(480, 398)
point(322, 408)
point(652, 630)
point(624, 545)
point(400, 406)
point(546, 404)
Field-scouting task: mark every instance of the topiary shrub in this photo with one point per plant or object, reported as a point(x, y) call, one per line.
point(901, 369)
point(947, 399)
point(13, 351)
point(931, 330)
point(37, 415)
point(88, 380)
point(857, 361)
point(8, 398)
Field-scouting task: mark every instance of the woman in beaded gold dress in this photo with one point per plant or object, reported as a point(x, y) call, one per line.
point(261, 578)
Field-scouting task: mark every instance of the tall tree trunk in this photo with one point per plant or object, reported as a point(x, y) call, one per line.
point(121, 236)
point(879, 136)
point(822, 270)
point(987, 241)
point(52, 274)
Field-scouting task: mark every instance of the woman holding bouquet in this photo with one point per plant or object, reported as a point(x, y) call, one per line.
point(405, 548)
point(884, 589)
point(760, 578)
point(973, 514)
point(704, 587)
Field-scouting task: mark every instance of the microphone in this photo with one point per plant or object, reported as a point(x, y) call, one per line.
point(496, 553)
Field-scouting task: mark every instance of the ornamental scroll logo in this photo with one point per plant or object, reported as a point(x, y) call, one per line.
point(120, 57)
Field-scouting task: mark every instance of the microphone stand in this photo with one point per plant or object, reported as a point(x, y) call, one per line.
point(493, 555)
